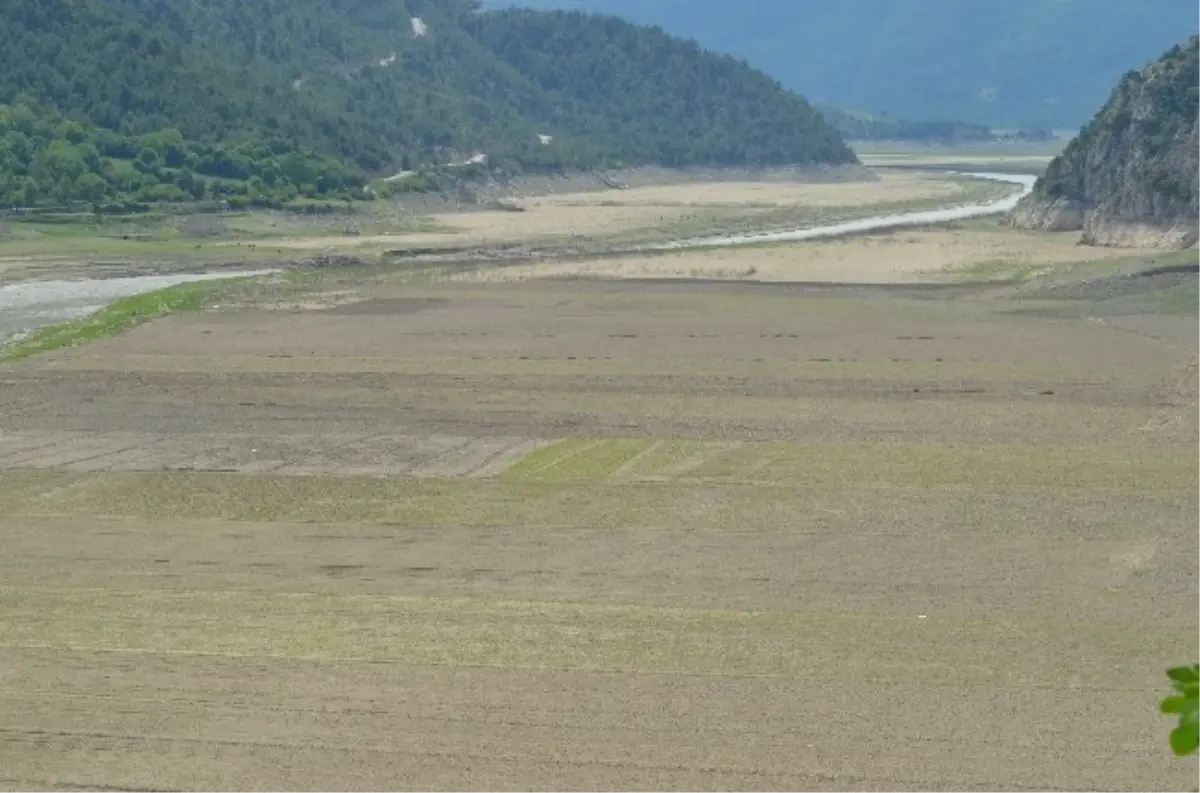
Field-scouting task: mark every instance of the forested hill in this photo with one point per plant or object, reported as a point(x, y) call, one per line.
point(1004, 63)
point(1132, 176)
point(658, 98)
point(399, 84)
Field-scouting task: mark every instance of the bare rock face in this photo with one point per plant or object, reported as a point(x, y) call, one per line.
point(1109, 233)
point(1132, 176)
point(1048, 215)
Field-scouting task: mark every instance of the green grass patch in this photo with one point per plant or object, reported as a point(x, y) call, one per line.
point(579, 458)
point(117, 318)
point(537, 462)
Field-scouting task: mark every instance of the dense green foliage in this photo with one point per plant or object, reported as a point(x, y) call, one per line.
point(660, 100)
point(1184, 703)
point(1142, 129)
point(48, 159)
point(1006, 63)
point(269, 100)
point(306, 70)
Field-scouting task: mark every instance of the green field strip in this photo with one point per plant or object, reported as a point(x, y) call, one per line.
point(637, 459)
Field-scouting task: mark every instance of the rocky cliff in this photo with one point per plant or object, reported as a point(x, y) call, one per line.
point(1132, 176)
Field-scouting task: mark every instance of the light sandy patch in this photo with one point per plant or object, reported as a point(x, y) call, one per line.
point(611, 212)
point(890, 187)
point(340, 242)
point(558, 220)
point(921, 255)
point(499, 227)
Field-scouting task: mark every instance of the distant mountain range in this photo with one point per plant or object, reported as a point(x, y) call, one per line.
point(1004, 63)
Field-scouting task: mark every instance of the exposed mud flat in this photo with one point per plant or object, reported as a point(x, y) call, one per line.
point(683, 211)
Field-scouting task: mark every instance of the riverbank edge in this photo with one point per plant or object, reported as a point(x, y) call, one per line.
point(127, 312)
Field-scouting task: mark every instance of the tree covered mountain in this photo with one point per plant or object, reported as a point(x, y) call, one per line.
point(1005, 63)
point(47, 159)
point(658, 99)
point(1132, 176)
point(378, 85)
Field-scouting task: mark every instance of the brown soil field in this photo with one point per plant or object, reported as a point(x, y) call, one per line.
point(576, 534)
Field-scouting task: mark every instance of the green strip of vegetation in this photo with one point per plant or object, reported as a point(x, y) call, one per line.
point(119, 317)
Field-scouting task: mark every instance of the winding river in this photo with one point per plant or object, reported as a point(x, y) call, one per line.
point(903, 219)
point(25, 307)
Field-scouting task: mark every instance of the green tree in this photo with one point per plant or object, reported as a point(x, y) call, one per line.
point(148, 159)
point(109, 170)
point(89, 187)
point(1184, 704)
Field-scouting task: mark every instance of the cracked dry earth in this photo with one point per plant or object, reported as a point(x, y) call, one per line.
point(568, 535)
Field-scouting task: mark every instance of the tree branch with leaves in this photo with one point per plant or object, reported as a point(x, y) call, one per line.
point(1183, 703)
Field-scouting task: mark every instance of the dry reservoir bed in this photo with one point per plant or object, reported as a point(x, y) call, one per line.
point(563, 535)
point(977, 249)
point(670, 211)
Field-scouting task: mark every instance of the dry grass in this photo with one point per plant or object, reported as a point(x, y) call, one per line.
point(898, 257)
point(889, 188)
point(693, 208)
point(456, 727)
point(568, 636)
point(501, 227)
point(592, 535)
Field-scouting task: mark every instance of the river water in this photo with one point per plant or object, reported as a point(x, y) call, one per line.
point(925, 218)
point(25, 307)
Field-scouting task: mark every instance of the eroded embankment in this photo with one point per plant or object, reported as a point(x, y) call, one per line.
point(1104, 229)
